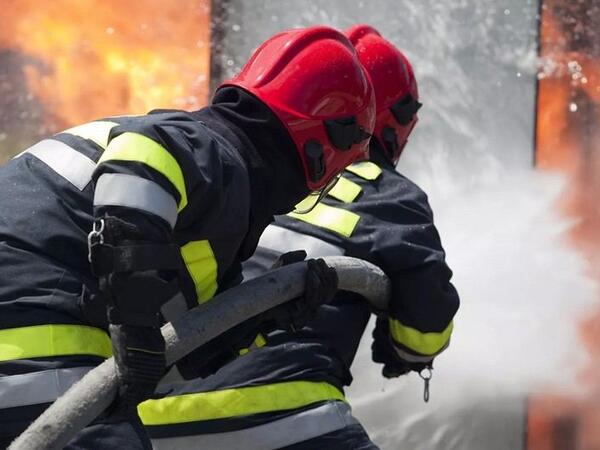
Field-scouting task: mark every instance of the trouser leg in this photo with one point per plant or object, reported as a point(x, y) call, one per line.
point(124, 434)
point(13, 421)
point(19, 407)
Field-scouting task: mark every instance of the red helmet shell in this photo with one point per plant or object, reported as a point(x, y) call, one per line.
point(395, 86)
point(309, 78)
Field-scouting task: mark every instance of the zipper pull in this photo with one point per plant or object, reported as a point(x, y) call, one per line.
point(426, 374)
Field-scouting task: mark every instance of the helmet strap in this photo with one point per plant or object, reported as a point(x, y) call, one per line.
point(390, 141)
point(313, 151)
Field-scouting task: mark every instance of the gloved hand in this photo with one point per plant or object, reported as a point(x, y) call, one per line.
point(320, 287)
point(383, 352)
point(138, 345)
point(139, 354)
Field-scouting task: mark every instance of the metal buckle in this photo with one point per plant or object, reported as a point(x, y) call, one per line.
point(95, 237)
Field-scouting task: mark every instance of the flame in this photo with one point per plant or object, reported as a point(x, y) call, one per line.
point(568, 138)
point(91, 59)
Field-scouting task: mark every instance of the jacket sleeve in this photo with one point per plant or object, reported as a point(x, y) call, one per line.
point(162, 171)
point(149, 167)
point(406, 245)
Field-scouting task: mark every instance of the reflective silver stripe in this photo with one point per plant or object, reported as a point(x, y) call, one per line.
point(38, 387)
point(73, 166)
point(284, 240)
point(290, 430)
point(416, 358)
point(118, 189)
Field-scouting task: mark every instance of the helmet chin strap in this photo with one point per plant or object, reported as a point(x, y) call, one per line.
point(305, 206)
point(390, 141)
point(313, 150)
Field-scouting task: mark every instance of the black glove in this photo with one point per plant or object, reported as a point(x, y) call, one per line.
point(383, 352)
point(320, 287)
point(138, 345)
point(139, 354)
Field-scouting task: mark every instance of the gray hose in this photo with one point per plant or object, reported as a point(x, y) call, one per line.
point(89, 397)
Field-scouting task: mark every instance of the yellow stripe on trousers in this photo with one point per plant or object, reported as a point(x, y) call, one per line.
point(229, 403)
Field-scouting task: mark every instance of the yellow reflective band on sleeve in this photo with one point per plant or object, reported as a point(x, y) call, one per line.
point(243, 401)
point(365, 169)
point(94, 131)
point(334, 219)
point(53, 340)
point(136, 147)
point(345, 190)
point(422, 343)
point(202, 267)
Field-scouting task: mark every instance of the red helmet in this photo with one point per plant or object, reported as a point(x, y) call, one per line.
point(312, 80)
point(397, 97)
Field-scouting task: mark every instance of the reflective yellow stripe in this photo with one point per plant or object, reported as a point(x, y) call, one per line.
point(345, 190)
point(136, 147)
point(334, 219)
point(95, 131)
point(236, 402)
point(53, 340)
point(202, 267)
point(259, 341)
point(365, 169)
point(423, 343)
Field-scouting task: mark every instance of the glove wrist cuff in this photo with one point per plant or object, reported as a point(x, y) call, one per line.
point(117, 316)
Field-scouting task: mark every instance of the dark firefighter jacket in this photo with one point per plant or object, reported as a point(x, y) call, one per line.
point(373, 213)
point(199, 177)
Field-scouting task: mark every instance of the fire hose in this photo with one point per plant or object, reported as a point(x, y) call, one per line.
point(91, 395)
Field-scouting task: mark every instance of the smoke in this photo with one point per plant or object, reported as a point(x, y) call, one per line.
point(523, 293)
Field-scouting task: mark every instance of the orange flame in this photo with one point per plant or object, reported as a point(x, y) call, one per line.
point(568, 140)
point(92, 58)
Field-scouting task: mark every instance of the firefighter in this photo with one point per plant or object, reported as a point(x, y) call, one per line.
point(286, 390)
point(114, 226)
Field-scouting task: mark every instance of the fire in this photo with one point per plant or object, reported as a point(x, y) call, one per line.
point(568, 138)
point(88, 59)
